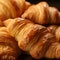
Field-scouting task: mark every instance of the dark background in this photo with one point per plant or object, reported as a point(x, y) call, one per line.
point(55, 3)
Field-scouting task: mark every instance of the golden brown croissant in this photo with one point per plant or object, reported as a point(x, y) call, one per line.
point(32, 38)
point(54, 29)
point(42, 13)
point(12, 8)
point(8, 46)
point(28, 4)
point(53, 51)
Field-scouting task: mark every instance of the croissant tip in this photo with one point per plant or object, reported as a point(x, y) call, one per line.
point(6, 22)
point(28, 4)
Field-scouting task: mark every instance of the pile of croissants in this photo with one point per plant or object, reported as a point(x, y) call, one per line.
point(31, 28)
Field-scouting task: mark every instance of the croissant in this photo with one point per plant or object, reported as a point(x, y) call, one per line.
point(54, 29)
point(28, 4)
point(53, 51)
point(12, 8)
point(9, 49)
point(42, 13)
point(32, 38)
